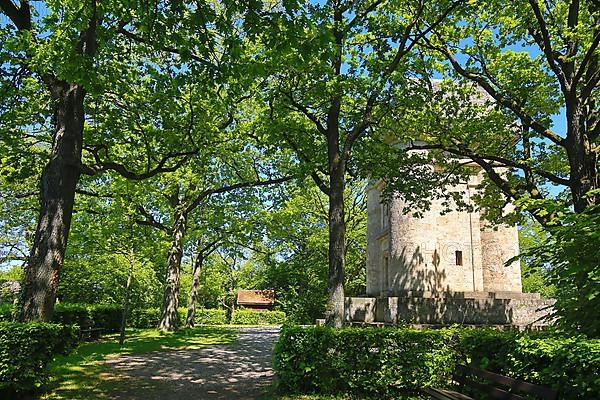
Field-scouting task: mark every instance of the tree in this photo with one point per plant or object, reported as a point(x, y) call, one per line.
point(510, 69)
point(61, 173)
point(57, 74)
point(557, 70)
point(293, 256)
point(338, 66)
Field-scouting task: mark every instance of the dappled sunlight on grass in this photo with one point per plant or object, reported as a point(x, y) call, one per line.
point(83, 375)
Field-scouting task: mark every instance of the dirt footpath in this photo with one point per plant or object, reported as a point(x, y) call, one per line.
point(241, 370)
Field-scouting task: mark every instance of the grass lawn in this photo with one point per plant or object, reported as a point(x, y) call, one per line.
point(82, 374)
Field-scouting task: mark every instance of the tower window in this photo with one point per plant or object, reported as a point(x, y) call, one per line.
point(386, 272)
point(459, 257)
point(385, 215)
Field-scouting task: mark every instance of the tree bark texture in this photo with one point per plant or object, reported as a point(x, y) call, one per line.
point(583, 160)
point(337, 246)
point(57, 195)
point(168, 316)
point(193, 297)
point(126, 300)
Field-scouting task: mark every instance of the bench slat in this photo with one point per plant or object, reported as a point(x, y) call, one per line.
point(514, 384)
point(492, 391)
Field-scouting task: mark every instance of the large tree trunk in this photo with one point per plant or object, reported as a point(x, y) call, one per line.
point(583, 160)
point(337, 222)
point(337, 249)
point(193, 298)
point(168, 317)
point(131, 259)
point(58, 182)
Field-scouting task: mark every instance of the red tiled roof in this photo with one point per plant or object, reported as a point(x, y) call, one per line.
point(256, 297)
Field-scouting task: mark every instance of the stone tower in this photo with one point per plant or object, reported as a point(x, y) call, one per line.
point(439, 253)
point(443, 268)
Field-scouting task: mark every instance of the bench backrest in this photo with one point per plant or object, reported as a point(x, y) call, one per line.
point(501, 387)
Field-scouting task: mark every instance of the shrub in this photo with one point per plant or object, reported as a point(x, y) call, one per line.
point(73, 314)
point(211, 316)
point(398, 361)
point(363, 361)
point(26, 350)
point(146, 318)
point(106, 316)
point(251, 317)
point(86, 316)
point(567, 364)
point(7, 312)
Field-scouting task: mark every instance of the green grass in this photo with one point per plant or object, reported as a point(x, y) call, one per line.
point(83, 375)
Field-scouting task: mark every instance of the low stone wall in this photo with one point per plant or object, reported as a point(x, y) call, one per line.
point(361, 309)
point(518, 309)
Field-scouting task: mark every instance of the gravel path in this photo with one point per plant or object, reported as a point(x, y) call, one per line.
point(241, 370)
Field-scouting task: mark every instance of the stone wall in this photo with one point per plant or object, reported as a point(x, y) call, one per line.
point(475, 308)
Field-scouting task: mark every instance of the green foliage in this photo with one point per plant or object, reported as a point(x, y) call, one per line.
point(105, 316)
point(252, 317)
point(382, 362)
point(567, 364)
point(26, 350)
point(295, 260)
point(7, 312)
point(535, 279)
point(208, 316)
point(108, 316)
point(143, 318)
point(397, 361)
point(571, 257)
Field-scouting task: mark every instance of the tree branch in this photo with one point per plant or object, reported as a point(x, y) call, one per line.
point(20, 16)
point(543, 41)
point(504, 161)
point(304, 110)
point(124, 172)
point(150, 220)
point(121, 29)
point(229, 188)
point(496, 95)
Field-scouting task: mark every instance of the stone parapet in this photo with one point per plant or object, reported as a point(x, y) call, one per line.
point(465, 308)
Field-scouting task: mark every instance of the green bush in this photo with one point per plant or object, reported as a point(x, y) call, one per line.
point(251, 317)
point(107, 316)
point(26, 350)
point(73, 314)
point(363, 361)
point(7, 312)
point(86, 316)
point(398, 361)
point(210, 316)
point(145, 318)
point(567, 364)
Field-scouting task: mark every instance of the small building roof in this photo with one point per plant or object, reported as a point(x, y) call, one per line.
point(256, 297)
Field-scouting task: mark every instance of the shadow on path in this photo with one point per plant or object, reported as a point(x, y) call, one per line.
point(238, 371)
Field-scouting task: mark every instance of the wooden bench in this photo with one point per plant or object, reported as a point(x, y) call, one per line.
point(495, 386)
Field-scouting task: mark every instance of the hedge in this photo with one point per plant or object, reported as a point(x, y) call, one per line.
point(147, 318)
point(105, 316)
point(26, 350)
point(398, 361)
point(7, 312)
point(251, 317)
point(567, 364)
point(210, 316)
point(108, 316)
point(363, 361)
